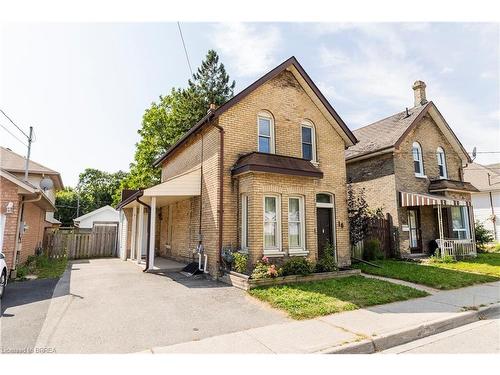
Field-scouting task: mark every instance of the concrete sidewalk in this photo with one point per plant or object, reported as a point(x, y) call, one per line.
point(360, 331)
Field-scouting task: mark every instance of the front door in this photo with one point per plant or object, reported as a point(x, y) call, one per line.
point(325, 233)
point(415, 230)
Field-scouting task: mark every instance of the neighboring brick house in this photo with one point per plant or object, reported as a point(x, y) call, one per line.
point(25, 209)
point(264, 172)
point(411, 165)
point(486, 202)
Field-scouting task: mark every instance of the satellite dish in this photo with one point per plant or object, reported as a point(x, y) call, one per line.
point(46, 184)
point(474, 153)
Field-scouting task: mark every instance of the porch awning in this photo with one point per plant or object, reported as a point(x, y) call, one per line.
point(415, 199)
point(176, 188)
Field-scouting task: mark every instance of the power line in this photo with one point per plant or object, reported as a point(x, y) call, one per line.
point(13, 123)
point(12, 134)
point(185, 49)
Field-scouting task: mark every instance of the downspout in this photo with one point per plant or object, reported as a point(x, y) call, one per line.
point(20, 219)
point(493, 216)
point(148, 255)
point(221, 190)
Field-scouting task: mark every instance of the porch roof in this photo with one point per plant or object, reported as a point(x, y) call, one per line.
point(417, 199)
point(183, 186)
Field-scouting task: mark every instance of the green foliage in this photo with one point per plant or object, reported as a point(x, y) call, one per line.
point(42, 267)
point(371, 250)
point(484, 263)
point(173, 115)
point(240, 262)
point(483, 235)
point(327, 262)
point(316, 298)
point(358, 213)
point(431, 275)
point(297, 266)
point(265, 270)
point(95, 189)
point(439, 259)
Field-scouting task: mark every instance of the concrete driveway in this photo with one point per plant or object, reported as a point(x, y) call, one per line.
point(111, 306)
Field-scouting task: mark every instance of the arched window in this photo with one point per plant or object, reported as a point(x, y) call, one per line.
point(265, 131)
point(308, 140)
point(418, 163)
point(441, 159)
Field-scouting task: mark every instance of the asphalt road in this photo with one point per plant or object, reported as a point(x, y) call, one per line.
point(479, 337)
point(111, 306)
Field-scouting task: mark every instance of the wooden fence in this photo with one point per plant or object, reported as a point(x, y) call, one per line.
point(79, 244)
point(378, 229)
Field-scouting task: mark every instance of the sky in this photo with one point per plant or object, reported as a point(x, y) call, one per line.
point(84, 87)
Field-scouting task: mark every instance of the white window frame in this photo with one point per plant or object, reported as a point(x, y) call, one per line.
point(277, 250)
point(301, 249)
point(420, 161)
point(465, 229)
point(310, 125)
point(266, 116)
point(244, 222)
point(441, 161)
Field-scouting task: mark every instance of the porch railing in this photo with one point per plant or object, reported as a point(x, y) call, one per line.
point(457, 248)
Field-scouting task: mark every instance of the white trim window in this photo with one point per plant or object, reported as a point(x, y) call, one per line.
point(272, 224)
point(244, 222)
point(308, 141)
point(296, 227)
point(460, 223)
point(441, 161)
point(418, 164)
point(265, 131)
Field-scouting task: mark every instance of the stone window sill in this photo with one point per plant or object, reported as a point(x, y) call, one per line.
point(273, 253)
point(421, 176)
point(298, 252)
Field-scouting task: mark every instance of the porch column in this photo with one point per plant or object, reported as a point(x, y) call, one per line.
point(134, 233)
point(440, 224)
point(152, 234)
point(140, 233)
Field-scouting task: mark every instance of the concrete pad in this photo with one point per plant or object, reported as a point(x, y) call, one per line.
point(239, 342)
point(306, 336)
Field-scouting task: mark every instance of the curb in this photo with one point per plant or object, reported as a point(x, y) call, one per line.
point(406, 335)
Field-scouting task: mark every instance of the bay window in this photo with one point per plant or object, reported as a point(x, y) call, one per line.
point(460, 222)
point(244, 222)
point(272, 224)
point(296, 223)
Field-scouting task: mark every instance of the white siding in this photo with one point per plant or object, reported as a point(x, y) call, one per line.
point(483, 211)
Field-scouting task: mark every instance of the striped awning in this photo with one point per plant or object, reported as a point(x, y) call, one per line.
point(414, 199)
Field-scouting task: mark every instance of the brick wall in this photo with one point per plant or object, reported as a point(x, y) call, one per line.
point(289, 105)
point(34, 217)
point(8, 193)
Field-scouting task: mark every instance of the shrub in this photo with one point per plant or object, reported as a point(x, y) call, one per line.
point(265, 270)
point(327, 262)
point(240, 262)
point(371, 250)
point(297, 266)
point(483, 235)
point(438, 259)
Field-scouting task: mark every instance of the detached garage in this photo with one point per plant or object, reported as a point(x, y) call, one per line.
point(103, 215)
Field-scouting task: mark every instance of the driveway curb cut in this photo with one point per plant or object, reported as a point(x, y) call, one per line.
point(403, 336)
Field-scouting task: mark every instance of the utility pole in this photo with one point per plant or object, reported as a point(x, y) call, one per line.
point(30, 138)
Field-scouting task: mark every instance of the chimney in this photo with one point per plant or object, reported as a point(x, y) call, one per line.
point(419, 92)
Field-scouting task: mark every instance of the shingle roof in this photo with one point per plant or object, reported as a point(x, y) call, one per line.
point(13, 162)
point(384, 133)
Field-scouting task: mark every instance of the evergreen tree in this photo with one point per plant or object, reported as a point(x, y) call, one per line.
point(173, 115)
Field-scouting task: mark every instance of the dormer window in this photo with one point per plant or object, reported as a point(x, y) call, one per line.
point(441, 161)
point(418, 163)
point(265, 125)
point(308, 139)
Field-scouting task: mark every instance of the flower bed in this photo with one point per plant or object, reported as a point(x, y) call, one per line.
point(244, 282)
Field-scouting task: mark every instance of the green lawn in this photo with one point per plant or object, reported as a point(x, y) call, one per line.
point(486, 264)
point(315, 298)
point(436, 275)
point(42, 267)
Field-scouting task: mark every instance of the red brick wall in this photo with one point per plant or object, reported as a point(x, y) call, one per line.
point(8, 193)
point(34, 217)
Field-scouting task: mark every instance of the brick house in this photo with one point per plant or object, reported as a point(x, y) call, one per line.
point(265, 173)
point(26, 210)
point(411, 165)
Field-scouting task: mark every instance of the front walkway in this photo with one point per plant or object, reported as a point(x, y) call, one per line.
point(333, 332)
